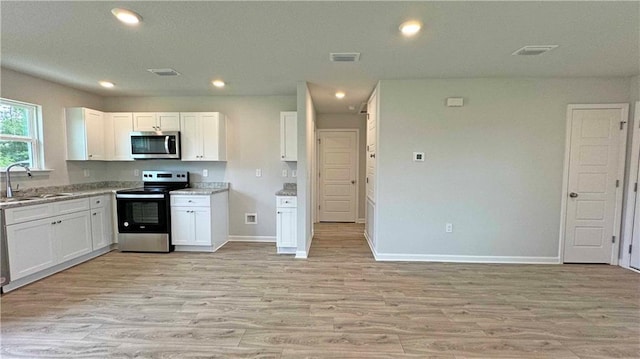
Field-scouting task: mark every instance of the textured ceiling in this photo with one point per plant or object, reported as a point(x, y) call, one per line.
point(264, 48)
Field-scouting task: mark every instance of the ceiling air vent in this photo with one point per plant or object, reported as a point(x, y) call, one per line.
point(344, 56)
point(164, 72)
point(534, 50)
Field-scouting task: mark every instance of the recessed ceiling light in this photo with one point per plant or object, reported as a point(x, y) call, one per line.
point(340, 94)
point(410, 28)
point(106, 84)
point(218, 83)
point(126, 16)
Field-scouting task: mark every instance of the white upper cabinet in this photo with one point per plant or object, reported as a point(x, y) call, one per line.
point(289, 136)
point(156, 121)
point(203, 136)
point(117, 130)
point(85, 134)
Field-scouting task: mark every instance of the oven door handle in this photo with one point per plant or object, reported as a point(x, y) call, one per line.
point(166, 145)
point(140, 196)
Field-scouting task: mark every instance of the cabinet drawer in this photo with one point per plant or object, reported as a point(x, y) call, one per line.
point(28, 213)
point(71, 206)
point(191, 201)
point(98, 202)
point(287, 201)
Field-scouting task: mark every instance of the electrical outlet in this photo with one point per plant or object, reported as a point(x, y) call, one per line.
point(87, 173)
point(136, 173)
point(294, 173)
point(205, 173)
point(448, 228)
point(258, 172)
point(284, 173)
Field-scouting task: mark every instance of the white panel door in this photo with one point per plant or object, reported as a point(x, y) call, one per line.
point(190, 137)
point(94, 122)
point(594, 164)
point(338, 166)
point(286, 227)
point(202, 226)
point(209, 125)
point(168, 121)
point(145, 121)
point(182, 225)
point(122, 127)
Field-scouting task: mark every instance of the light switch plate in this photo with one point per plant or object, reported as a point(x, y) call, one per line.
point(418, 157)
point(205, 173)
point(136, 173)
point(258, 172)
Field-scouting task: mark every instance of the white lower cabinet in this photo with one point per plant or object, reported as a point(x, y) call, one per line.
point(199, 222)
point(286, 225)
point(31, 247)
point(101, 222)
point(37, 240)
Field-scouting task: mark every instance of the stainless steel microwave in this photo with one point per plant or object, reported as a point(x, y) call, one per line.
point(155, 145)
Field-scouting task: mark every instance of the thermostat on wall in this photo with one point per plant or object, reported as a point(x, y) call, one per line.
point(455, 102)
point(418, 157)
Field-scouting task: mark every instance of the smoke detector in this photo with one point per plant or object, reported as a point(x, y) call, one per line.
point(344, 56)
point(164, 72)
point(534, 50)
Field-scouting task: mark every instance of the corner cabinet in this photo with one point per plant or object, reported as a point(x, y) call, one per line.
point(85, 134)
point(289, 136)
point(286, 224)
point(199, 223)
point(156, 121)
point(203, 136)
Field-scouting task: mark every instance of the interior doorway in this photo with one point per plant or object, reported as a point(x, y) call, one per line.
point(338, 164)
point(594, 182)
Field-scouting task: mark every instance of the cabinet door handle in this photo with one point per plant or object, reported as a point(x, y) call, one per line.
point(279, 212)
point(95, 214)
point(98, 202)
point(59, 222)
point(53, 222)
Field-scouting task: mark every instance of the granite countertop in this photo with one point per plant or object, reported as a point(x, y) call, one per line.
point(68, 195)
point(198, 191)
point(289, 189)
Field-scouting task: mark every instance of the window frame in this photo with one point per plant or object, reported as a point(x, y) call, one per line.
point(36, 146)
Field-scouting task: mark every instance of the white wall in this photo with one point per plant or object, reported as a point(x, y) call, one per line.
point(53, 98)
point(351, 121)
point(306, 168)
point(253, 131)
point(493, 167)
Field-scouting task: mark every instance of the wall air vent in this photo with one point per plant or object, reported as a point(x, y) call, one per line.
point(164, 72)
point(344, 56)
point(534, 50)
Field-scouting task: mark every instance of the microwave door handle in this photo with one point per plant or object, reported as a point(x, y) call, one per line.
point(166, 145)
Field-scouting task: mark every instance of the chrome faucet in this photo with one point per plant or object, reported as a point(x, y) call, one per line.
point(23, 165)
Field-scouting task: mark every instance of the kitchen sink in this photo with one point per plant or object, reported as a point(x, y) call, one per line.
point(54, 195)
point(18, 199)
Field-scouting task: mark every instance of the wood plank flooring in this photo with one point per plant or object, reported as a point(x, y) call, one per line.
point(247, 302)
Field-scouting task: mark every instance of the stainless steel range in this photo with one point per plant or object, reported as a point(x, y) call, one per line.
point(144, 220)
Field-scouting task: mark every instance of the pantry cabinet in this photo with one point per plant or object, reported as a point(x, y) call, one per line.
point(156, 121)
point(85, 134)
point(203, 136)
point(289, 136)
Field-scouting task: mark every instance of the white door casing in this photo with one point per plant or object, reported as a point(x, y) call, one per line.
point(338, 175)
point(594, 171)
point(631, 248)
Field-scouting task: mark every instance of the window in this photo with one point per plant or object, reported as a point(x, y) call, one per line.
point(20, 128)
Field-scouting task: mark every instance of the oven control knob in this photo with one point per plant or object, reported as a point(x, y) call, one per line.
point(126, 224)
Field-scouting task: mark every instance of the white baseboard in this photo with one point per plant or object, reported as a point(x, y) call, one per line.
point(464, 259)
point(265, 239)
point(360, 220)
point(286, 250)
point(373, 251)
point(301, 255)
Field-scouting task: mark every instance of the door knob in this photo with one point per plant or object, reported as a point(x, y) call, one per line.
point(573, 195)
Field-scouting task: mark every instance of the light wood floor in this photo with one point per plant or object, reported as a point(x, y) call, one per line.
point(247, 302)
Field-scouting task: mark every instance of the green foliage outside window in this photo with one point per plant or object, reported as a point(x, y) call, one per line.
point(15, 146)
